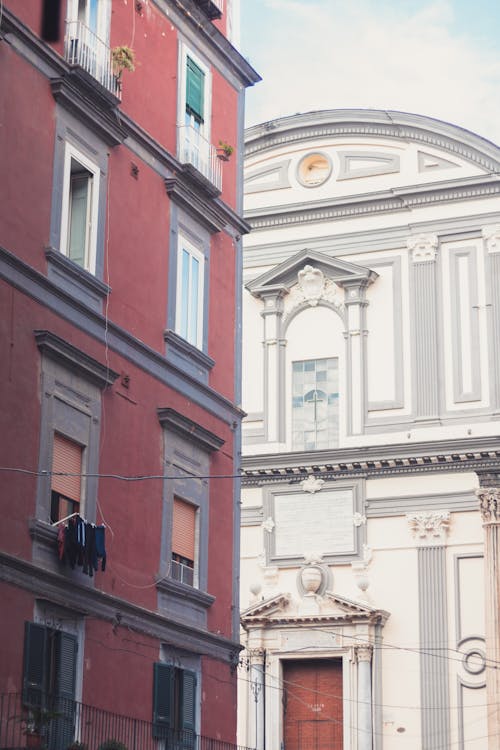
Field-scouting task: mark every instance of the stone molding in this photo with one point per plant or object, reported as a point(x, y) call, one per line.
point(171, 419)
point(429, 527)
point(74, 359)
point(423, 248)
point(491, 236)
point(489, 504)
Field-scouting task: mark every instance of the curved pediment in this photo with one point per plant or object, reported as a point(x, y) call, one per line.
point(331, 608)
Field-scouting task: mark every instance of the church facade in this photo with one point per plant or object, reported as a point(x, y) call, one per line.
point(371, 322)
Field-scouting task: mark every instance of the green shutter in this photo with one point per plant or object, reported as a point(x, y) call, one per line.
point(188, 709)
point(35, 664)
point(62, 728)
point(195, 90)
point(163, 700)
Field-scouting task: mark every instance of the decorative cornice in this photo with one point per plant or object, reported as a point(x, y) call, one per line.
point(184, 592)
point(489, 504)
point(491, 236)
point(83, 277)
point(472, 454)
point(173, 420)
point(394, 200)
point(74, 359)
point(199, 357)
point(374, 123)
point(68, 593)
point(430, 526)
point(192, 200)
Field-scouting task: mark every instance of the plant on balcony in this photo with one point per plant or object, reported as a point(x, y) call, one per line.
point(123, 58)
point(36, 722)
point(224, 150)
point(112, 745)
point(76, 745)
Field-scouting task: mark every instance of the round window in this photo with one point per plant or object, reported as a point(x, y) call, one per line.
point(314, 169)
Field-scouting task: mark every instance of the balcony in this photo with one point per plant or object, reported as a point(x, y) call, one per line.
point(213, 8)
point(200, 158)
point(73, 721)
point(84, 48)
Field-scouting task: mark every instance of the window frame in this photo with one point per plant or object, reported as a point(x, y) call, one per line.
point(185, 246)
point(73, 154)
point(205, 126)
point(174, 680)
point(316, 386)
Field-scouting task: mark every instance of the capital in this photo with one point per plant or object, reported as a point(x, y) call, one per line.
point(429, 527)
point(489, 504)
point(423, 248)
point(491, 236)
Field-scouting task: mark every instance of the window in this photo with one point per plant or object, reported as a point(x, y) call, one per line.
point(174, 705)
point(315, 404)
point(66, 490)
point(195, 93)
point(80, 209)
point(183, 541)
point(194, 102)
point(49, 679)
point(189, 306)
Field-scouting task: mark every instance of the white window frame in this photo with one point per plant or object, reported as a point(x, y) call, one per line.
point(184, 244)
point(103, 17)
point(184, 53)
point(70, 153)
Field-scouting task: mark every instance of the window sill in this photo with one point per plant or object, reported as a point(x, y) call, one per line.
point(187, 357)
point(75, 280)
point(183, 602)
point(45, 554)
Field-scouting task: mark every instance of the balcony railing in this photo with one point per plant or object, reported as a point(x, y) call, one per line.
point(72, 721)
point(213, 8)
point(194, 149)
point(84, 48)
point(181, 572)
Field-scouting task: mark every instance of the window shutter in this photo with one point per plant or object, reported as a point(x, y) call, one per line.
point(183, 529)
point(195, 90)
point(62, 728)
point(35, 664)
point(78, 217)
point(188, 709)
point(163, 699)
point(67, 458)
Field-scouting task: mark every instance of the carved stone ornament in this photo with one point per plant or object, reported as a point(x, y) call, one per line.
point(312, 484)
point(358, 519)
point(489, 504)
point(491, 236)
point(423, 248)
point(311, 282)
point(429, 526)
point(268, 525)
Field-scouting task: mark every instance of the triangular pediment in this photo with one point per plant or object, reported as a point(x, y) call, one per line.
point(284, 276)
point(331, 608)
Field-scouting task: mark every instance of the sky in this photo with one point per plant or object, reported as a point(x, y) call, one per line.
point(439, 58)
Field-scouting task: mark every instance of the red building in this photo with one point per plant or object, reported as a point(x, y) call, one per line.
point(120, 264)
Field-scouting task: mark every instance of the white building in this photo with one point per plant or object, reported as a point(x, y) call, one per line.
point(371, 382)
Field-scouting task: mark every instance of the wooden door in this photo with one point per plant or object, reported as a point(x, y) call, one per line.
point(312, 704)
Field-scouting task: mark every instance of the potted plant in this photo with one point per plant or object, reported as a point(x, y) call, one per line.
point(224, 150)
point(36, 723)
point(112, 745)
point(76, 745)
point(123, 58)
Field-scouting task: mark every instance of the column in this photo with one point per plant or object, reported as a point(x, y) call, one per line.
point(425, 364)
point(430, 530)
point(489, 503)
point(256, 707)
point(274, 367)
point(365, 729)
point(356, 303)
point(491, 238)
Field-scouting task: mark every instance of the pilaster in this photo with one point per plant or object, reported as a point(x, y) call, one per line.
point(274, 366)
point(363, 655)
point(424, 312)
point(356, 333)
point(491, 239)
point(430, 531)
point(489, 505)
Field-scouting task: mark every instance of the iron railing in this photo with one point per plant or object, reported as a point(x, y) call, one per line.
point(84, 48)
point(68, 721)
point(194, 149)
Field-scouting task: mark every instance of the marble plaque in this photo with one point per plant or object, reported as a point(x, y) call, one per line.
point(320, 523)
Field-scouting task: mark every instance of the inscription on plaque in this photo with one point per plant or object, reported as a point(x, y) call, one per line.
point(321, 523)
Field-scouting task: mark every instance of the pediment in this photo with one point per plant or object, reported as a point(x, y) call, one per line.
point(282, 277)
point(332, 608)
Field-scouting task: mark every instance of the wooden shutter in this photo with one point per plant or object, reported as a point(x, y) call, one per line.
point(62, 728)
point(163, 700)
point(183, 529)
point(35, 664)
point(195, 90)
point(67, 458)
point(188, 710)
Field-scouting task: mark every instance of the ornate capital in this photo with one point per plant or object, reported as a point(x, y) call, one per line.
point(423, 248)
point(491, 236)
point(429, 527)
point(489, 504)
point(362, 653)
